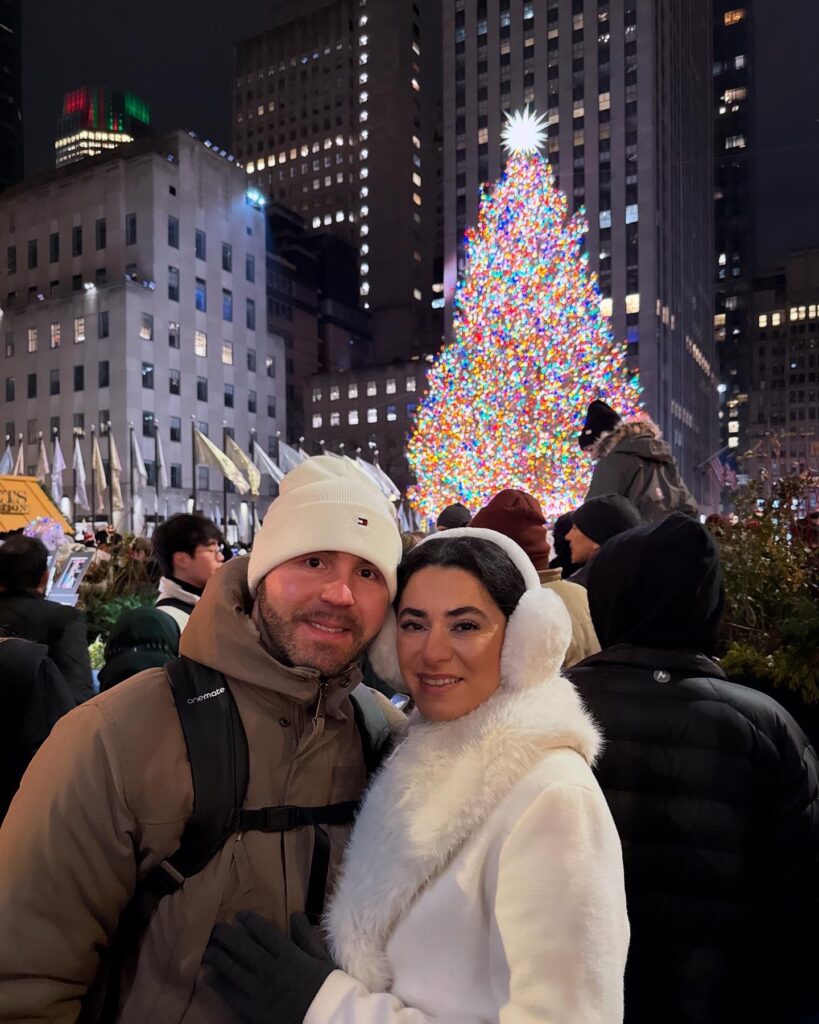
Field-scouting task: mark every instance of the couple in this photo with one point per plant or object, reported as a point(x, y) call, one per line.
point(483, 878)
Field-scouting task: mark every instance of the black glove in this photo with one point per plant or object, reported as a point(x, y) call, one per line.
point(263, 975)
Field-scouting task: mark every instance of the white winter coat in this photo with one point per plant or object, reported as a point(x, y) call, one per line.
point(483, 882)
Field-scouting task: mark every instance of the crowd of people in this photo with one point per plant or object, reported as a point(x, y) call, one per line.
point(545, 802)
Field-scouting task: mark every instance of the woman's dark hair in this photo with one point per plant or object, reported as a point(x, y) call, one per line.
point(487, 562)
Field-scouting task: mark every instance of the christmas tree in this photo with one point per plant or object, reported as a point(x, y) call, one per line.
point(506, 400)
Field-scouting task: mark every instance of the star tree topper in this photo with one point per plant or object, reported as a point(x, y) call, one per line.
point(524, 132)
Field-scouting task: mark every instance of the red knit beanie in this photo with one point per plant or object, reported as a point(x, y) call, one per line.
point(519, 516)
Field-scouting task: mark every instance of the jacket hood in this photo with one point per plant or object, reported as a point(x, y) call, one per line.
point(222, 635)
point(434, 792)
point(637, 437)
point(658, 586)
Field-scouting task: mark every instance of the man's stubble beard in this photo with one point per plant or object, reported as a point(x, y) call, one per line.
point(278, 637)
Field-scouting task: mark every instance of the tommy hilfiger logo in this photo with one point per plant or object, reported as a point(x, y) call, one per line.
point(361, 521)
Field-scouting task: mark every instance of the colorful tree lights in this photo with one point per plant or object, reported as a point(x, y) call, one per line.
point(506, 400)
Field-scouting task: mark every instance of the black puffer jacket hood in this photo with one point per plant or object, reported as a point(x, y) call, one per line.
point(658, 586)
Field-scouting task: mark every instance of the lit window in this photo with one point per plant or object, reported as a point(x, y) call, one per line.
point(416, 294)
point(415, 84)
point(364, 211)
point(365, 269)
point(390, 388)
point(483, 136)
point(606, 307)
point(352, 390)
point(410, 383)
point(605, 218)
point(733, 17)
point(334, 392)
point(739, 61)
point(733, 442)
point(776, 319)
point(416, 142)
point(339, 216)
point(316, 394)
point(733, 427)
point(317, 222)
point(735, 142)
point(335, 419)
point(146, 327)
point(392, 416)
point(372, 415)
point(795, 312)
point(763, 320)
point(55, 335)
point(79, 330)
point(416, 198)
point(200, 343)
point(352, 417)
point(365, 288)
point(227, 353)
point(735, 95)
point(632, 214)
point(316, 419)
point(633, 303)
point(372, 388)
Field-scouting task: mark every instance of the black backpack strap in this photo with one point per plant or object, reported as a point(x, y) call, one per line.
point(376, 738)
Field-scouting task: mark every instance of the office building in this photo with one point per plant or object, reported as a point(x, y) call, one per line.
point(783, 420)
point(11, 91)
point(95, 120)
point(136, 295)
point(734, 234)
point(335, 115)
point(626, 88)
point(369, 408)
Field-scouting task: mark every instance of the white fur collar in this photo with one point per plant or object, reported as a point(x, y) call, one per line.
point(436, 790)
point(609, 439)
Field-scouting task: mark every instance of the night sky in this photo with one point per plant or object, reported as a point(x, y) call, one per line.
point(177, 55)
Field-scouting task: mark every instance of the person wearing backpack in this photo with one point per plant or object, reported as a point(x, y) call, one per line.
point(632, 459)
point(226, 782)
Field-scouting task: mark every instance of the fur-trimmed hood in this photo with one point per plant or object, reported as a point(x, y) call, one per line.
point(437, 789)
point(639, 437)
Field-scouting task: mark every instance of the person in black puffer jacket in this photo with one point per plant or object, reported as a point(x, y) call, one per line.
point(714, 789)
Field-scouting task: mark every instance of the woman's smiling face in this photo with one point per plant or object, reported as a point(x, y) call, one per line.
point(450, 637)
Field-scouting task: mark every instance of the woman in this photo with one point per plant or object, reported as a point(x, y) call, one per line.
point(483, 881)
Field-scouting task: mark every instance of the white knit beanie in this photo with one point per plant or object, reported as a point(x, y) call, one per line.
point(327, 504)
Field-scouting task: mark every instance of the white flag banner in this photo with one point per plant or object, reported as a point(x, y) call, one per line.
point(266, 464)
point(289, 457)
point(116, 474)
point(20, 459)
point(7, 462)
point(207, 454)
point(388, 485)
point(98, 469)
point(244, 523)
point(42, 462)
point(243, 462)
point(257, 523)
point(78, 465)
point(161, 468)
point(371, 473)
point(138, 462)
point(57, 469)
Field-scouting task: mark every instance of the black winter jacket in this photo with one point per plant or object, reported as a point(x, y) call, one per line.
point(27, 614)
point(713, 788)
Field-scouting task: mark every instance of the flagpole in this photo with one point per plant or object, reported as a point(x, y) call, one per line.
point(252, 495)
point(111, 480)
point(224, 481)
point(156, 472)
point(93, 481)
point(131, 443)
point(193, 459)
point(74, 478)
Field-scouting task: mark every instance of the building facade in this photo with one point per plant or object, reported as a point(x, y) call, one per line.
point(134, 292)
point(626, 88)
point(95, 120)
point(783, 406)
point(335, 115)
point(11, 93)
point(733, 211)
point(370, 408)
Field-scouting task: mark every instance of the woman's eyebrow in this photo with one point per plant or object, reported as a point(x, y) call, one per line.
point(417, 613)
point(414, 612)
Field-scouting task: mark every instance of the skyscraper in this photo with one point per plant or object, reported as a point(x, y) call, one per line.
point(94, 120)
point(11, 121)
point(733, 211)
point(626, 90)
point(335, 116)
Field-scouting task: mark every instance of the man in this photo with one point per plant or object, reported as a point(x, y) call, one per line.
point(453, 517)
point(188, 549)
point(108, 795)
point(25, 612)
point(518, 515)
point(633, 460)
point(596, 521)
point(714, 791)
